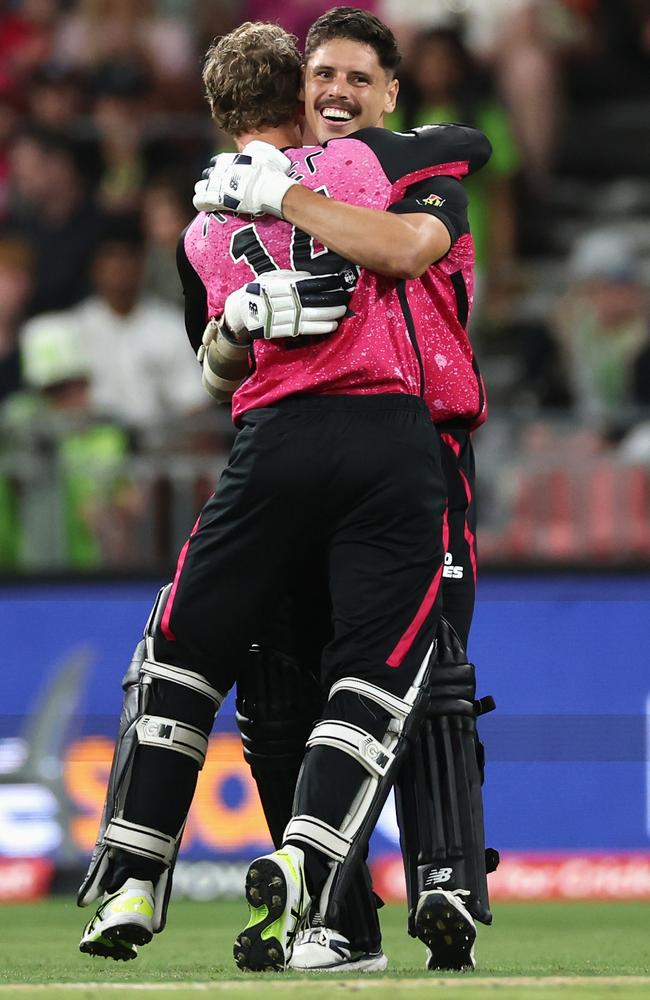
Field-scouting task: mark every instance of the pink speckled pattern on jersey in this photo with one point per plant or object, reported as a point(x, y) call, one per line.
point(371, 351)
point(450, 391)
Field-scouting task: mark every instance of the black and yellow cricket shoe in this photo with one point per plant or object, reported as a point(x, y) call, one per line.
point(124, 919)
point(278, 902)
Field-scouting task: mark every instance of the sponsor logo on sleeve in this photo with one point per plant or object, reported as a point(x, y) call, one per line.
point(433, 199)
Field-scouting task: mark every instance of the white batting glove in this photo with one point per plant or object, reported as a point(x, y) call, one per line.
point(252, 183)
point(219, 162)
point(284, 304)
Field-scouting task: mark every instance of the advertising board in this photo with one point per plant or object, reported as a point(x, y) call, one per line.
point(568, 780)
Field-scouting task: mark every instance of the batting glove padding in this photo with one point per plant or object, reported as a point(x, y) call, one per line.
point(284, 304)
point(252, 183)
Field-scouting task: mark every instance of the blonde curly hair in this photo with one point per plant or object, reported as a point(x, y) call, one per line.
point(252, 78)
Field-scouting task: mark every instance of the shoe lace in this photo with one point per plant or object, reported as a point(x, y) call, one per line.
point(326, 934)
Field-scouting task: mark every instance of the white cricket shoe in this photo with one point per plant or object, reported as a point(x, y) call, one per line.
point(278, 901)
point(123, 920)
point(320, 949)
point(445, 926)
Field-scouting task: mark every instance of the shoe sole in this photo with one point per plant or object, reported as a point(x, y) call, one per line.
point(367, 964)
point(447, 933)
point(117, 941)
point(266, 890)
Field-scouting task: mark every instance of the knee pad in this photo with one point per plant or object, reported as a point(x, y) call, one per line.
point(168, 708)
point(395, 720)
point(277, 704)
point(438, 791)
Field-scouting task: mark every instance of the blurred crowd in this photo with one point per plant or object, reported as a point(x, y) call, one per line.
point(103, 130)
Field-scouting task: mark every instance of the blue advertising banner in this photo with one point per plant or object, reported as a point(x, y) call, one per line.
point(566, 659)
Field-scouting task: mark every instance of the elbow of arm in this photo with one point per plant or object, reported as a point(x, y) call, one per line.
point(420, 255)
point(417, 269)
point(405, 264)
point(429, 245)
point(412, 266)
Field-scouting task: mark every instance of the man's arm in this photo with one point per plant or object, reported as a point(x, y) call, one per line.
point(402, 243)
point(418, 230)
point(399, 246)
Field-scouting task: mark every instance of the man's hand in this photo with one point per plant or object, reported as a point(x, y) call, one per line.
point(284, 304)
point(252, 183)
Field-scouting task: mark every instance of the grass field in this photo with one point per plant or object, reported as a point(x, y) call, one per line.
point(541, 951)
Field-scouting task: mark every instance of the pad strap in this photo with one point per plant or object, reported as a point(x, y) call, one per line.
point(398, 707)
point(356, 742)
point(140, 840)
point(169, 734)
point(230, 347)
point(188, 678)
point(319, 834)
point(219, 382)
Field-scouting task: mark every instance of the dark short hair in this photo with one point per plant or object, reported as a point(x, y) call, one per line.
point(359, 26)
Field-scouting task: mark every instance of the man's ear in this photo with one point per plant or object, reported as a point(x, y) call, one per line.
point(391, 96)
point(301, 92)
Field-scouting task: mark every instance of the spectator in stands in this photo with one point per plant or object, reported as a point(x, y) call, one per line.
point(129, 154)
point(166, 209)
point(26, 35)
point(517, 41)
point(55, 97)
point(602, 325)
point(296, 16)
point(15, 269)
point(144, 373)
point(58, 100)
point(11, 107)
point(613, 61)
point(80, 515)
point(445, 84)
point(100, 31)
point(51, 208)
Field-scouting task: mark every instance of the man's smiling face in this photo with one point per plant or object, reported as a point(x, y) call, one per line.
point(345, 89)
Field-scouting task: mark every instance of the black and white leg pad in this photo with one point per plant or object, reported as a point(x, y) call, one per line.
point(345, 847)
point(142, 725)
point(140, 840)
point(438, 791)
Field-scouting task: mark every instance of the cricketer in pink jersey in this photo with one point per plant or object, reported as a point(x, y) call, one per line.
point(348, 84)
point(400, 335)
point(359, 472)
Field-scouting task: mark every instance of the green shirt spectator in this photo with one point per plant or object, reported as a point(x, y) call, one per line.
point(504, 162)
point(444, 84)
point(61, 479)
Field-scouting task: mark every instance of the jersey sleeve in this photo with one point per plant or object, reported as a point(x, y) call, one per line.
point(442, 197)
point(196, 297)
point(453, 150)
